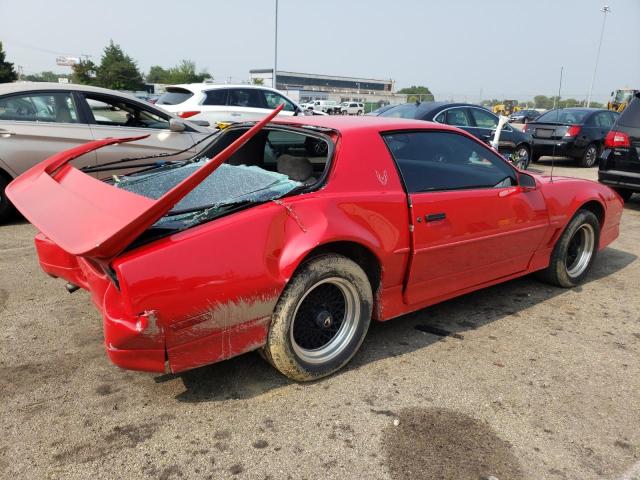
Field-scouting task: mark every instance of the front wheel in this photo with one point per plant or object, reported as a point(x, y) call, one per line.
point(590, 156)
point(321, 318)
point(574, 252)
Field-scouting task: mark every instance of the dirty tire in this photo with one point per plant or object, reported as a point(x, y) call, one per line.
point(6, 208)
point(327, 271)
point(584, 223)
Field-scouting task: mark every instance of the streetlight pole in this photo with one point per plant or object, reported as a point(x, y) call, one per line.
point(275, 50)
point(604, 10)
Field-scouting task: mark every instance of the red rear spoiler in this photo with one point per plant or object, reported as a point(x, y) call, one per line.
point(89, 218)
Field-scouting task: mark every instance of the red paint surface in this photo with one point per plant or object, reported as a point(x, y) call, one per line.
point(211, 289)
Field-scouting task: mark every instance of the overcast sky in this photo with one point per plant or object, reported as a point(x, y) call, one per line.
point(504, 48)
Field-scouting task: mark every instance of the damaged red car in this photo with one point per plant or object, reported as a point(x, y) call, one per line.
point(290, 237)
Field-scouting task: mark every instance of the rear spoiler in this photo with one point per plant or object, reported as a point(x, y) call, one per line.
point(89, 218)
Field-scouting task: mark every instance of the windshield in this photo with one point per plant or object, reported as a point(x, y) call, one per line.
point(623, 96)
point(174, 96)
point(566, 117)
point(406, 110)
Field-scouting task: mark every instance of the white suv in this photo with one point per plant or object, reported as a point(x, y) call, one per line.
point(224, 103)
point(351, 108)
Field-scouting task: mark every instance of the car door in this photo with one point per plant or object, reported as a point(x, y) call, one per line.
point(484, 127)
point(214, 106)
point(472, 224)
point(247, 104)
point(38, 124)
point(113, 116)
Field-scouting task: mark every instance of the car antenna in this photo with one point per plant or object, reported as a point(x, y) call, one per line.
point(553, 157)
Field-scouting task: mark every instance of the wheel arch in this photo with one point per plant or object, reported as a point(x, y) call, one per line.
point(352, 250)
point(595, 207)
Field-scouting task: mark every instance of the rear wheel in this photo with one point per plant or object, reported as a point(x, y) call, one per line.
point(624, 193)
point(6, 208)
point(574, 252)
point(359, 112)
point(321, 318)
point(590, 156)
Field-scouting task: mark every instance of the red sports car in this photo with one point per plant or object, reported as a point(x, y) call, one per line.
point(289, 237)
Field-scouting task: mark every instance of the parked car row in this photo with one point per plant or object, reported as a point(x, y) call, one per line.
point(333, 108)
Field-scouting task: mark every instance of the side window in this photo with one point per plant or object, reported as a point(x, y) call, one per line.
point(57, 107)
point(458, 117)
point(216, 97)
point(440, 118)
point(118, 113)
point(245, 97)
point(273, 99)
point(603, 120)
point(432, 161)
point(484, 119)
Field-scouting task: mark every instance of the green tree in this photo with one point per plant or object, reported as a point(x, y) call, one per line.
point(7, 73)
point(47, 76)
point(417, 93)
point(84, 72)
point(257, 81)
point(184, 72)
point(157, 74)
point(117, 70)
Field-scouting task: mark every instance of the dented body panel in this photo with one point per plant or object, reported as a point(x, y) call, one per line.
point(207, 293)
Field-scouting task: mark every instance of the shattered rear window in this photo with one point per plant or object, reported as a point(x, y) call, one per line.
point(227, 186)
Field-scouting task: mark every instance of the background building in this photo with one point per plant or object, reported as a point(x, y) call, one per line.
point(308, 86)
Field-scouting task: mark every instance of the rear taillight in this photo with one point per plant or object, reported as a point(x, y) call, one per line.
point(572, 131)
point(617, 140)
point(188, 114)
point(525, 127)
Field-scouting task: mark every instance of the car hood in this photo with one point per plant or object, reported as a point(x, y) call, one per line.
point(90, 218)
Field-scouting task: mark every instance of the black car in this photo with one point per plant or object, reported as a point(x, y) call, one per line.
point(620, 161)
point(480, 122)
point(578, 133)
point(524, 116)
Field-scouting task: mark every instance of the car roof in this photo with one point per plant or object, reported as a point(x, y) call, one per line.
point(17, 87)
point(202, 87)
point(343, 123)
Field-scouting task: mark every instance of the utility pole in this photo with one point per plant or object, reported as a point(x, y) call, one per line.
point(275, 51)
point(604, 10)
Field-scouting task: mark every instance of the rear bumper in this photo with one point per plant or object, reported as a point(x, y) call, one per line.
point(132, 341)
point(560, 148)
point(620, 179)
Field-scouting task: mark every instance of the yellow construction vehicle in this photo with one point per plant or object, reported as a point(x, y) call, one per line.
point(507, 107)
point(620, 99)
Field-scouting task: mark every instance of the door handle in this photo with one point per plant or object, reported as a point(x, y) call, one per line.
point(434, 217)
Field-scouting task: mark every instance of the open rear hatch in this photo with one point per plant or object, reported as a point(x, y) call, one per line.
point(90, 218)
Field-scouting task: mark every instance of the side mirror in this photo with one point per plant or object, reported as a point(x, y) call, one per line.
point(526, 182)
point(176, 125)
